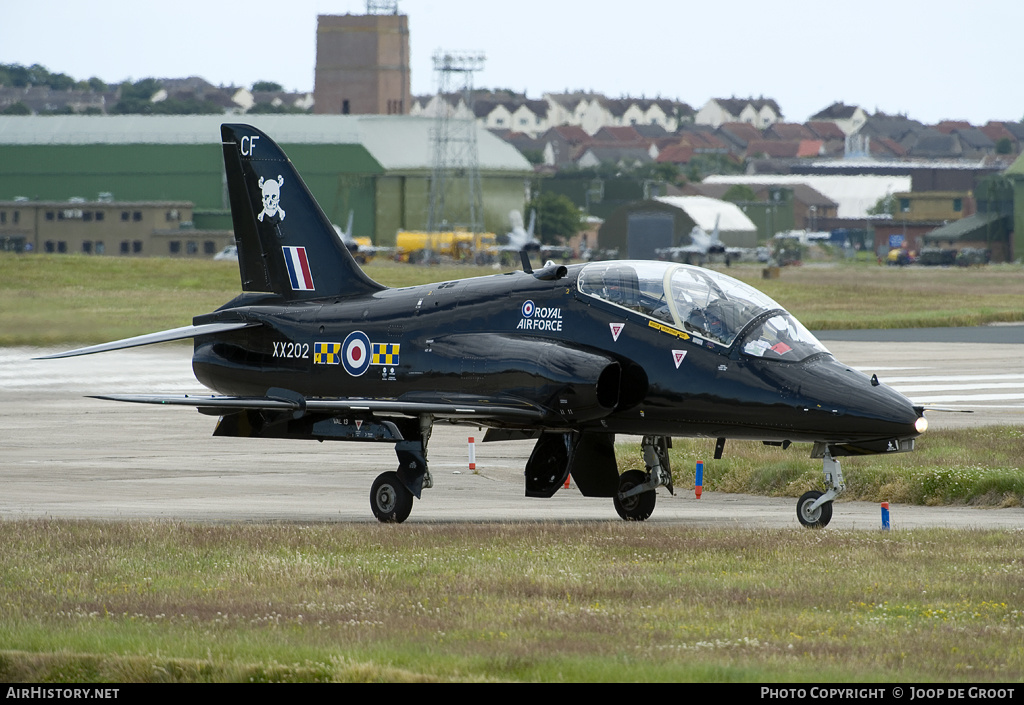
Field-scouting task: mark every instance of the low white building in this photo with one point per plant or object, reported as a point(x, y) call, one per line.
point(854, 194)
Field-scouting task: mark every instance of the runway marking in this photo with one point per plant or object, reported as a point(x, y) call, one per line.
point(981, 391)
point(986, 407)
point(955, 378)
point(918, 388)
point(967, 399)
point(876, 368)
point(140, 370)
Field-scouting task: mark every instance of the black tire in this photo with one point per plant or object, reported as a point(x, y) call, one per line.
point(817, 519)
point(638, 507)
point(390, 500)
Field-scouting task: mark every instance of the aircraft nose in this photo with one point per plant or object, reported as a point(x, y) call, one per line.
point(860, 408)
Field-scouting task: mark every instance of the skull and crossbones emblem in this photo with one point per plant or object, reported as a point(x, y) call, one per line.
point(271, 198)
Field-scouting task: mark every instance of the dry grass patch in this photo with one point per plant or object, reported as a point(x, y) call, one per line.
point(572, 601)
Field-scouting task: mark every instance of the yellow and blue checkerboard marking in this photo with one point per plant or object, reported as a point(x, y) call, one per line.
point(385, 354)
point(327, 353)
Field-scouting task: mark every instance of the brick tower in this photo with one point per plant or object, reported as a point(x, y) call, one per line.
point(362, 63)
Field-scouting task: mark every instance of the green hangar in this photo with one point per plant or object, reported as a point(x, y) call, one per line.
point(375, 167)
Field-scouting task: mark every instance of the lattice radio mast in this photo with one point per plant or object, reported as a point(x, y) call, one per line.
point(455, 146)
point(382, 7)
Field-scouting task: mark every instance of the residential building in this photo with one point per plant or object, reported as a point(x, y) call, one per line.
point(42, 100)
point(738, 135)
point(848, 118)
point(503, 110)
point(759, 112)
point(625, 157)
point(563, 144)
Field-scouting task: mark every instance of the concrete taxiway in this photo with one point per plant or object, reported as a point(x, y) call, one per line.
point(66, 456)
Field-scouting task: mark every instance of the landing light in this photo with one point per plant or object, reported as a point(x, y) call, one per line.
point(921, 425)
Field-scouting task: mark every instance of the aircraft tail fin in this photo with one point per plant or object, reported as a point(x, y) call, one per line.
point(348, 226)
point(286, 244)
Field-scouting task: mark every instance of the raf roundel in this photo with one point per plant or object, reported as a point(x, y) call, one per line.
point(356, 353)
point(528, 309)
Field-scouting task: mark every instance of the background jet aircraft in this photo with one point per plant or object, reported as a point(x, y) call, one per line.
point(570, 356)
point(362, 249)
point(520, 238)
point(702, 246)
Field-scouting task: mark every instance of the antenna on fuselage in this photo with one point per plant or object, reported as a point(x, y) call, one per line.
point(525, 256)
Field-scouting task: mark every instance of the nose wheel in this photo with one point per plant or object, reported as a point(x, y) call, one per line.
point(810, 516)
point(814, 509)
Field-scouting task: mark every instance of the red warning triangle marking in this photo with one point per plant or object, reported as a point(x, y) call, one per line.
point(359, 423)
point(616, 329)
point(677, 357)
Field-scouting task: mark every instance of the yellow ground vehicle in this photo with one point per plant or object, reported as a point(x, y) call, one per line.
point(459, 245)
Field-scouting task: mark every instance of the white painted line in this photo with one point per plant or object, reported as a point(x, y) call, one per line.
point(892, 381)
point(967, 399)
point(918, 388)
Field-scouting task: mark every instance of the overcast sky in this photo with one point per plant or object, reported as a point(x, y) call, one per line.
point(931, 59)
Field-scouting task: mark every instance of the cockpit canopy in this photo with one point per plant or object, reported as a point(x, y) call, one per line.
point(703, 303)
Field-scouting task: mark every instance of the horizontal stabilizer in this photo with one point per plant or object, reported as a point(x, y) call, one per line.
point(164, 336)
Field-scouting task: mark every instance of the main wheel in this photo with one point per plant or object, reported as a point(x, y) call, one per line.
point(639, 507)
point(816, 519)
point(390, 500)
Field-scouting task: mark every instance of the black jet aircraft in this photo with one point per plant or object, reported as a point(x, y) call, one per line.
point(314, 349)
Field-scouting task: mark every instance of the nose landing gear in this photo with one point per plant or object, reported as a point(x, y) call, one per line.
point(814, 509)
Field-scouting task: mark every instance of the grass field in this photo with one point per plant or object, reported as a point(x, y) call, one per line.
point(595, 602)
point(577, 602)
point(61, 299)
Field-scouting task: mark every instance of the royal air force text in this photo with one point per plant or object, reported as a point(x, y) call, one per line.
point(546, 319)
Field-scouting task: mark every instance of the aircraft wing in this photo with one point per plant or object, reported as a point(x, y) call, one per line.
point(682, 250)
point(283, 400)
point(163, 336)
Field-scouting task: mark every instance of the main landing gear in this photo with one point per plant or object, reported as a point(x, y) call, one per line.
point(392, 493)
point(390, 500)
point(814, 509)
point(636, 497)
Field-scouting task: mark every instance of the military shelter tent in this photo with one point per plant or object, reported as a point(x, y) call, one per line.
point(985, 231)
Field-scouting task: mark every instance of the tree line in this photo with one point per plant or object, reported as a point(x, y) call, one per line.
point(133, 98)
